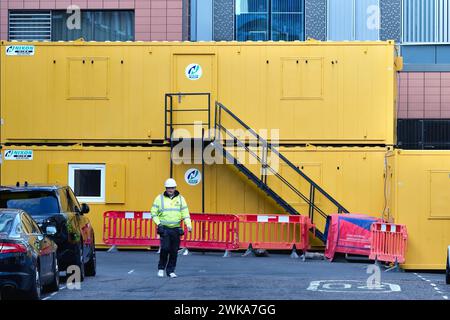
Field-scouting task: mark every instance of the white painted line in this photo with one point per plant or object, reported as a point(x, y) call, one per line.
point(53, 294)
point(432, 284)
point(427, 280)
point(445, 297)
point(131, 271)
point(46, 298)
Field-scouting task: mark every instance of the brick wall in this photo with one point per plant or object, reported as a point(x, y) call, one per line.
point(424, 95)
point(154, 19)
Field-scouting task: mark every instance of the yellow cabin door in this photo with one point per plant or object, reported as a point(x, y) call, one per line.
point(193, 73)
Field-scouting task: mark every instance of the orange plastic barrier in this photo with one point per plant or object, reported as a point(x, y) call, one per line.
point(388, 242)
point(136, 228)
point(278, 232)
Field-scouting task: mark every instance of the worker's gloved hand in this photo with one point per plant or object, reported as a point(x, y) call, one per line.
point(189, 229)
point(160, 229)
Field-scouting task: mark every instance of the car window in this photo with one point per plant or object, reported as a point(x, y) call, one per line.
point(26, 225)
point(6, 222)
point(64, 200)
point(35, 203)
point(32, 224)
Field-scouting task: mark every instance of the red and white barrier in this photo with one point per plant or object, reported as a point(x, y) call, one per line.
point(388, 242)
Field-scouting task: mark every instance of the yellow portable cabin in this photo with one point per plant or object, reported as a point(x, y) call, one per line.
point(419, 197)
point(135, 175)
point(313, 92)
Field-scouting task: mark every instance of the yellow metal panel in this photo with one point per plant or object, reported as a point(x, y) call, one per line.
point(419, 199)
point(115, 183)
point(339, 92)
point(439, 201)
point(58, 173)
point(358, 183)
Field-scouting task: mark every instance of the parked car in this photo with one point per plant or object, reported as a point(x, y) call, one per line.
point(28, 258)
point(52, 205)
point(447, 271)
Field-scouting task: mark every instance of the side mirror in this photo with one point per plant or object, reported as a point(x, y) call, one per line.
point(50, 230)
point(84, 208)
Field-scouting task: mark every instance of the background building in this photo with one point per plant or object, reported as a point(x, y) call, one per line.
point(421, 27)
point(101, 20)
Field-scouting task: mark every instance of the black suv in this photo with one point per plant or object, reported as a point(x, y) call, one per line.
point(52, 205)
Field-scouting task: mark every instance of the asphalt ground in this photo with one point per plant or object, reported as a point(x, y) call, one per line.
point(132, 275)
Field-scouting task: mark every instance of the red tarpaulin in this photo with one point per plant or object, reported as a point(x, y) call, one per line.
point(348, 233)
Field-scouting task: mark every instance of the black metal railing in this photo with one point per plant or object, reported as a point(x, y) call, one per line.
point(226, 124)
point(169, 110)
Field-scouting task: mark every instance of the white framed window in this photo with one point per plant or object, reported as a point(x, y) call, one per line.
point(88, 182)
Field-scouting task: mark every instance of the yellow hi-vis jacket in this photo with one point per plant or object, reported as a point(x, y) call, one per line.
point(170, 212)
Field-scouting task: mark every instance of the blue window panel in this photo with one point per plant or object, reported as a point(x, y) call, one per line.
point(340, 20)
point(443, 54)
point(252, 19)
point(201, 20)
point(287, 20)
point(421, 54)
point(443, 23)
point(419, 21)
point(270, 20)
point(367, 20)
point(353, 20)
point(96, 25)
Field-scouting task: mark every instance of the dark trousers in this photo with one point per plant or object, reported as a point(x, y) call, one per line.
point(170, 243)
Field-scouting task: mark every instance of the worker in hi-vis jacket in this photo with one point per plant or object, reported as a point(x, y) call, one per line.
point(168, 210)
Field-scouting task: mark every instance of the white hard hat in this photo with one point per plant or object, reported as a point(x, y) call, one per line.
point(170, 183)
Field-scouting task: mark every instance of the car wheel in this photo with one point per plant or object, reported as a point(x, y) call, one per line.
point(91, 266)
point(36, 287)
point(54, 285)
point(80, 260)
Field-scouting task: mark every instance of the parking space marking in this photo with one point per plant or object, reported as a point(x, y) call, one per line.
point(351, 286)
point(131, 271)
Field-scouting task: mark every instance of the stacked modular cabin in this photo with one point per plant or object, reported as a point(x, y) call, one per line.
point(106, 112)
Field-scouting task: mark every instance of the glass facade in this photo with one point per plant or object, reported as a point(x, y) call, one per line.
point(269, 20)
point(353, 20)
point(96, 25)
point(426, 21)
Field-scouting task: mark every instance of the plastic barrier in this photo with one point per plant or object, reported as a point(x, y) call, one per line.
point(136, 228)
point(276, 232)
point(212, 231)
point(349, 234)
point(130, 228)
point(388, 242)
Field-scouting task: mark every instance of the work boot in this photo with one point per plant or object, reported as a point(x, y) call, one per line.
point(172, 275)
point(160, 273)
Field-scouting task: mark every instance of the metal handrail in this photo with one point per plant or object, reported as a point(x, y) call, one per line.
point(218, 124)
point(169, 110)
point(272, 170)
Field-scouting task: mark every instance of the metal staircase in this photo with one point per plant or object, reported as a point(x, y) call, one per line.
point(261, 162)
